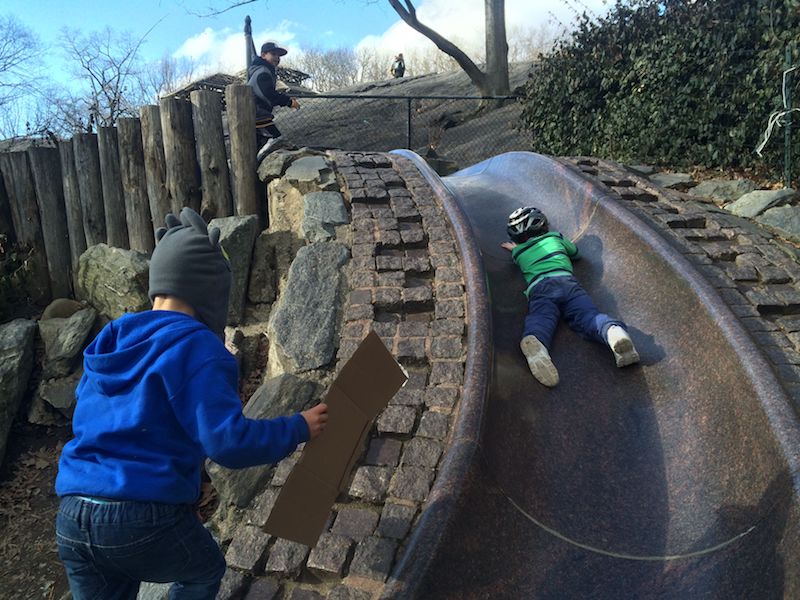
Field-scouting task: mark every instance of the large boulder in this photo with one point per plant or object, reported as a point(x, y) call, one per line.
point(237, 236)
point(272, 258)
point(785, 220)
point(725, 190)
point(285, 207)
point(753, 204)
point(280, 396)
point(311, 174)
point(673, 181)
point(64, 340)
point(322, 212)
point(302, 326)
point(54, 400)
point(16, 348)
point(113, 280)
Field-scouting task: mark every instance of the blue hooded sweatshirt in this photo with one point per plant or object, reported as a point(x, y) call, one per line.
point(159, 396)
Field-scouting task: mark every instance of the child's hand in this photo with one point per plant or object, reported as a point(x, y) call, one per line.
point(508, 245)
point(316, 419)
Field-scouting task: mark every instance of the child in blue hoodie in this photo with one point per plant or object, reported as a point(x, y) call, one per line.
point(159, 396)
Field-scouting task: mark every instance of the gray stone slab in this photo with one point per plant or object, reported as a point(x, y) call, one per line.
point(302, 326)
point(286, 557)
point(263, 588)
point(727, 190)
point(411, 483)
point(785, 219)
point(396, 520)
point(237, 237)
point(248, 548)
point(345, 592)
point(64, 340)
point(279, 396)
point(16, 348)
point(329, 557)
point(355, 523)
point(373, 558)
point(322, 212)
point(113, 280)
point(672, 180)
point(422, 452)
point(370, 483)
point(753, 204)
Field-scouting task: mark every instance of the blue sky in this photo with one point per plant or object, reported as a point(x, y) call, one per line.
point(325, 23)
point(215, 41)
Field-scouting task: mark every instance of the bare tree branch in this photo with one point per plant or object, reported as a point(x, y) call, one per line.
point(408, 13)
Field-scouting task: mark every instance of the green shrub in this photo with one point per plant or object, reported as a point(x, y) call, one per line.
point(678, 82)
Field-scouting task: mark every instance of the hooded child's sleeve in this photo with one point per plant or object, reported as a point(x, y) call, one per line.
point(210, 411)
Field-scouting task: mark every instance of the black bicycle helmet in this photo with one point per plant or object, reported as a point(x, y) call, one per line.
point(526, 222)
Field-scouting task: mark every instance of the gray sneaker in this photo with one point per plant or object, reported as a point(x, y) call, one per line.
point(539, 361)
point(622, 346)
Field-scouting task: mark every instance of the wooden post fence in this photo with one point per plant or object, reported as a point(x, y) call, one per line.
point(87, 165)
point(46, 171)
point(210, 139)
point(116, 186)
point(179, 151)
point(113, 199)
point(242, 132)
point(134, 185)
point(155, 165)
point(72, 204)
point(25, 217)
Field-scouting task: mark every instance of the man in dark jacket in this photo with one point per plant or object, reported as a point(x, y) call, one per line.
point(262, 77)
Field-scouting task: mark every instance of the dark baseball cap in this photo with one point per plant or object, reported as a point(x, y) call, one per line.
point(274, 48)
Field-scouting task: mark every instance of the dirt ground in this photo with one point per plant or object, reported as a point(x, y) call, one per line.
point(29, 565)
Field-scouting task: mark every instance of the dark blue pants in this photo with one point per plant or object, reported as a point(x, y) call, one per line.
point(556, 297)
point(109, 548)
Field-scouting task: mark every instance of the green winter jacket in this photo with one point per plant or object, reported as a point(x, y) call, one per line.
point(547, 255)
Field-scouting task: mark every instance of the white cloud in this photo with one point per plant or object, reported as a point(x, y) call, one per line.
point(223, 50)
point(462, 22)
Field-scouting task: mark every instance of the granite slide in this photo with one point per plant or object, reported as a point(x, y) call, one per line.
point(674, 479)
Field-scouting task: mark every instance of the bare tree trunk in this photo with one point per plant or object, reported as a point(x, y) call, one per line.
point(408, 13)
point(113, 199)
point(134, 185)
point(155, 165)
point(87, 165)
point(179, 152)
point(496, 48)
point(207, 118)
point(46, 171)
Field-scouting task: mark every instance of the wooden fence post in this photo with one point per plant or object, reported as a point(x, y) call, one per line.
point(179, 151)
point(87, 166)
point(207, 119)
point(155, 165)
point(113, 200)
point(241, 110)
point(134, 185)
point(72, 203)
point(46, 171)
point(25, 216)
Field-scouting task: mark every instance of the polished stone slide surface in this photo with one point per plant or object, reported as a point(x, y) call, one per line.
point(676, 478)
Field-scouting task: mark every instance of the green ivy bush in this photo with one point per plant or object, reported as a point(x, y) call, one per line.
point(671, 82)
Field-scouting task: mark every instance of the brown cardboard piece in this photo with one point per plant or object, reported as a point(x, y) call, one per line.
point(362, 389)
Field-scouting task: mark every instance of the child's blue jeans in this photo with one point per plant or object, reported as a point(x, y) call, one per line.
point(554, 297)
point(109, 547)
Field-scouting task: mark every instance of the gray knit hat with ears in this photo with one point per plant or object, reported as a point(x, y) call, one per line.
point(189, 263)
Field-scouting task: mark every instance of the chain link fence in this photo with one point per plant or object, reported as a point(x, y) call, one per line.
point(463, 129)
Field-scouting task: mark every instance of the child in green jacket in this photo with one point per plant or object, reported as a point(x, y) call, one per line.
point(545, 259)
